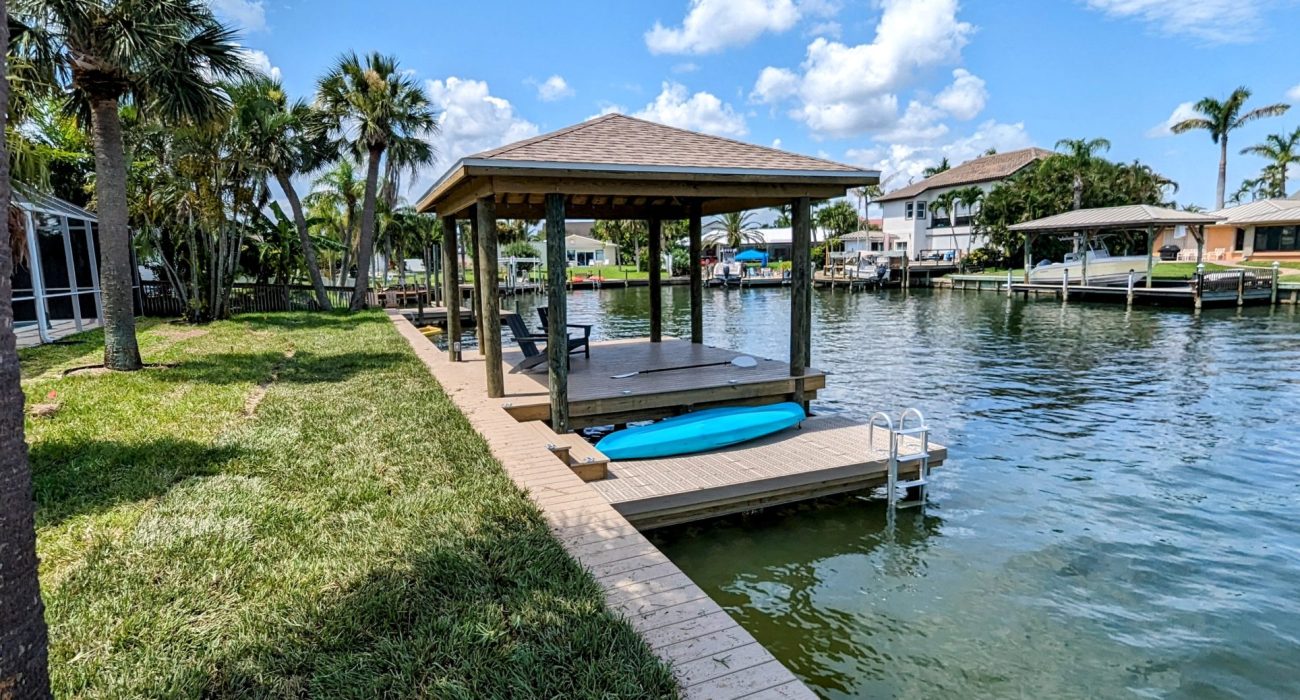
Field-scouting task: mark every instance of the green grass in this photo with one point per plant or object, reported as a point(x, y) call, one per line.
point(1182, 270)
point(351, 536)
point(1288, 265)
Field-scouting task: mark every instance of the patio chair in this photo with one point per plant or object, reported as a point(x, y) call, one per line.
point(529, 342)
point(1219, 254)
point(584, 342)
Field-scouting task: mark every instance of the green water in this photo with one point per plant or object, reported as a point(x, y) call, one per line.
point(1119, 515)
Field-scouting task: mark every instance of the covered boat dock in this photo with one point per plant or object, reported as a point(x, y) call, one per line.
point(1239, 287)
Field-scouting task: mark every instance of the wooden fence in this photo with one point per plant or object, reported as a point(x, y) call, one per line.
point(159, 299)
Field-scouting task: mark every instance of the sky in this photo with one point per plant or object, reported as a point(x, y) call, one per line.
point(888, 84)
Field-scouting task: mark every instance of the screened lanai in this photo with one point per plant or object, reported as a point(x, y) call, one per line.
point(56, 269)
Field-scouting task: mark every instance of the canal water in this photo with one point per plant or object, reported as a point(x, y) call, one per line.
point(1119, 515)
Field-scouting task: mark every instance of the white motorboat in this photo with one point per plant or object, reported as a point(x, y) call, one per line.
point(1102, 268)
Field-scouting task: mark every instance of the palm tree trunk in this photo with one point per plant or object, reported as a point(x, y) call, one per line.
point(367, 244)
point(115, 275)
point(304, 238)
point(24, 640)
point(1078, 192)
point(1223, 172)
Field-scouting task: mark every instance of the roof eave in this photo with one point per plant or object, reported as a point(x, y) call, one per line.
point(471, 167)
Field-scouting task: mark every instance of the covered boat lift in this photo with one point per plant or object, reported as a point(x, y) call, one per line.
point(1240, 286)
point(619, 167)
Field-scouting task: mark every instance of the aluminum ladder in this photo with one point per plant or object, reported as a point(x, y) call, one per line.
point(911, 424)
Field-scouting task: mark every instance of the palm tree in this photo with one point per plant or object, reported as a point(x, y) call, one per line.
point(282, 142)
point(1078, 155)
point(334, 198)
point(164, 56)
point(1220, 119)
point(1281, 150)
point(946, 203)
point(737, 230)
point(371, 107)
point(936, 169)
point(969, 197)
point(24, 639)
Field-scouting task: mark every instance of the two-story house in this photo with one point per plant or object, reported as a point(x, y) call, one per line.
point(910, 225)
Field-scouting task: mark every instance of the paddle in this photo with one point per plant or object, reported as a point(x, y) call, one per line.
point(744, 361)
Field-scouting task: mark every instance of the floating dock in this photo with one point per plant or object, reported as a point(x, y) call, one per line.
point(827, 455)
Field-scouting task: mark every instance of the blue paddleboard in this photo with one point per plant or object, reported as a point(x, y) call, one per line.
point(700, 431)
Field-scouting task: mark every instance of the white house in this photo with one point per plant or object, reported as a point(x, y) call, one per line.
point(909, 225)
point(776, 241)
point(584, 250)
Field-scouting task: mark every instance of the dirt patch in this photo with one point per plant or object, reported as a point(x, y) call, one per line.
point(43, 410)
point(179, 334)
point(98, 370)
point(259, 392)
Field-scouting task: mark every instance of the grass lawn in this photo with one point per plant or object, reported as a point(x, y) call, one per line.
point(292, 507)
point(1288, 265)
point(1182, 270)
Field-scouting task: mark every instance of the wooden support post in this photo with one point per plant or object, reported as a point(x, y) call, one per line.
point(1065, 284)
point(1129, 297)
point(800, 292)
point(476, 300)
point(451, 286)
point(490, 303)
point(557, 304)
point(1198, 282)
point(1241, 287)
point(656, 281)
point(1272, 298)
point(697, 275)
point(1151, 242)
point(1084, 256)
point(1200, 245)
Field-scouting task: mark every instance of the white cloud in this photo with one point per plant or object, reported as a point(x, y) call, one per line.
point(1219, 21)
point(250, 15)
point(260, 62)
point(829, 28)
point(776, 143)
point(774, 85)
point(906, 162)
point(471, 119)
point(965, 98)
point(713, 25)
point(701, 111)
point(554, 88)
point(686, 67)
point(1294, 94)
point(920, 124)
point(1182, 112)
point(846, 90)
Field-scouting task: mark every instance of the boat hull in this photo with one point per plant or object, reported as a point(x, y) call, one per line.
point(700, 431)
point(1104, 271)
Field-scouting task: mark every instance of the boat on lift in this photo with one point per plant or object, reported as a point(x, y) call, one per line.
point(1101, 268)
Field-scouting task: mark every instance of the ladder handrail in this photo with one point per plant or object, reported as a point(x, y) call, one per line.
point(922, 432)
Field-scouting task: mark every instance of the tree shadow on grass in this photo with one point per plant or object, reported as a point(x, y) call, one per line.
point(253, 367)
point(75, 477)
point(494, 613)
point(313, 320)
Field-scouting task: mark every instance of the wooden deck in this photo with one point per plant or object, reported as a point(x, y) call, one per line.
point(827, 455)
point(596, 398)
point(711, 655)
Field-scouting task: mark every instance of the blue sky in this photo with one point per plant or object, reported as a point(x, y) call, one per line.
point(890, 84)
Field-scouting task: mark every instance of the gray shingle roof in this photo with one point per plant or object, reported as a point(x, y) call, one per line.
point(982, 169)
point(1128, 216)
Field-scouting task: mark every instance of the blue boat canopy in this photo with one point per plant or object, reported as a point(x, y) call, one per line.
point(752, 256)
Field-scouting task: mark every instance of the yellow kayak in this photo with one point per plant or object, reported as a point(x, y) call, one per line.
point(431, 330)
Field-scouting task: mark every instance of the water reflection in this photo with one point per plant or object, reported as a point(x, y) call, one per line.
point(1117, 516)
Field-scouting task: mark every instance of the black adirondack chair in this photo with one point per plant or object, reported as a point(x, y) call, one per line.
point(530, 343)
point(584, 342)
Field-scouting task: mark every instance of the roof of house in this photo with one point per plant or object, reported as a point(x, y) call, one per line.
point(982, 169)
point(574, 241)
point(1128, 216)
point(623, 140)
point(779, 236)
point(33, 200)
point(1264, 211)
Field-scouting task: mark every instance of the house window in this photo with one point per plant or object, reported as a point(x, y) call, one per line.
point(920, 208)
point(1277, 238)
point(909, 210)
